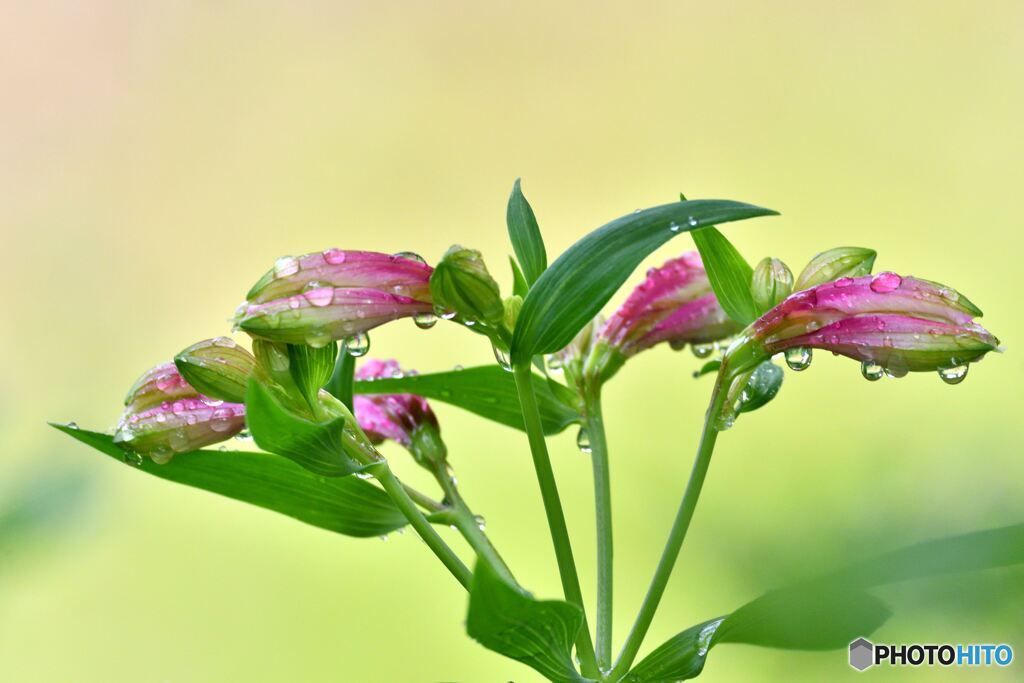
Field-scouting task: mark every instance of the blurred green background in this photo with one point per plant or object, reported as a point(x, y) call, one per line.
point(155, 158)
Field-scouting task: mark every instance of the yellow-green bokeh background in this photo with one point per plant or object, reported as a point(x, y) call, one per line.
point(155, 158)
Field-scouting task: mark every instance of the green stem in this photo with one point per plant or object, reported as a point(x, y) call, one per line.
point(678, 533)
point(553, 510)
point(594, 426)
point(469, 526)
point(394, 488)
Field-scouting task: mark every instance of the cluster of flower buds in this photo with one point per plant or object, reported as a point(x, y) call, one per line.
point(403, 418)
point(335, 294)
point(164, 414)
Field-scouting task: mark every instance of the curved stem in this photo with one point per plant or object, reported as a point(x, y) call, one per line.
point(394, 488)
point(553, 510)
point(594, 426)
point(678, 533)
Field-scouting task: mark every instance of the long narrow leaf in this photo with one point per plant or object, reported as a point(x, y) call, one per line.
point(525, 235)
point(346, 505)
point(582, 280)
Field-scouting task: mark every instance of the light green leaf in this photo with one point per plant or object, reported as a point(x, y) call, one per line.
point(729, 274)
point(346, 505)
point(679, 658)
point(311, 368)
point(340, 383)
point(510, 621)
point(487, 391)
point(525, 235)
point(582, 280)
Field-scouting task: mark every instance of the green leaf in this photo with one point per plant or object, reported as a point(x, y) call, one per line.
point(347, 505)
point(510, 621)
point(519, 286)
point(311, 368)
point(582, 280)
point(317, 446)
point(487, 391)
point(729, 274)
point(340, 383)
point(525, 235)
point(679, 658)
point(762, 386)
point(710, 366)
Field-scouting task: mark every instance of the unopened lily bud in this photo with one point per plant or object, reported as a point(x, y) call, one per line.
point(405, 419)
point(771, 283)
point(462, 284)
point(888, 322)
point(335, 294)
point(179, 426)
point(158, 385)
point(834, 264)
point(218, 367)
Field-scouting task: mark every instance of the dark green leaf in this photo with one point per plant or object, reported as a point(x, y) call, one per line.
point(487, 391)
point(677, 659)
point(729, 274)
point(710, 366)
point(510, 621)
point(582, 280)
point(519, 286)
point(346, 505)
point(762, 386)
point(317, 446)
point(340, 384)
point(311, 368)
point(525, 235)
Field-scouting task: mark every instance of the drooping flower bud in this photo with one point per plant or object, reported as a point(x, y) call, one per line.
point(834, 264)
point(771, 283)
point(462, 284)
point(892, 323)
point(218, 367)
point(157, 385)
point(179, 426)
point(334, 294)
point(405, 419)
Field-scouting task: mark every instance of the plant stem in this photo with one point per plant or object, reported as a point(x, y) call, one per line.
point(394, 488)
point(553, 510)
point(594, 426)
point(678, 533)
point(469, 525)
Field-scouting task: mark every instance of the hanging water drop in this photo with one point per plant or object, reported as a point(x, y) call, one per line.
point(384, 537)
point(501, 356)
point(953, 375)
point(871, 370)
point(132, 458)
point(424, 321)
point(702, 350)
point(885, 282)
point(357, 345)
point(583, 441)
point(798, 358)
point(161, 455)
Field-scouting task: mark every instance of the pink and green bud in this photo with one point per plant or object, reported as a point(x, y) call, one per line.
point(771, 283)
point(405, 419)
point(331, 295)
point(158, 385)
point(461, 284)
point(834, 264)
point(218, 368)
point(179, 426)
point(889, 323)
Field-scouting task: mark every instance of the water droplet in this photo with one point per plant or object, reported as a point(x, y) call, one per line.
point(424, 321)
point(583, 441)
point(844, 282)
point(285, 266)
point(443, 314)
point(692, 222)
point(411, 256)
point(384, 537)
point(798, 358)
point(161, 455)
point(871, 370)
point(554, 363)
point(318, 296)
point(885, 282)
point(702, 350)
point(318, 338)
point(953, 375)
point(481, 523)
point(364, 475)
point(357, 345)
point(72, 425)
point(243, 435)
point(458, 368)
point(674, 227)
point(221, 419)
point(705, 635)
point(334, 256)
point(501, 356)
point(132, 458)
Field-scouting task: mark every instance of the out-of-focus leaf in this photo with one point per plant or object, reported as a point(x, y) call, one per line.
point(346, 505)
point(710, 366)
point(487, 391)
point(40, 505)
point(525, 235)
point(511, 622)
point(317, 446)
point(729, 274)
point(582, 280)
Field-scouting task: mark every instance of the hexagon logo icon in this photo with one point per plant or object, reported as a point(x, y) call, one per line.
point(862, 654)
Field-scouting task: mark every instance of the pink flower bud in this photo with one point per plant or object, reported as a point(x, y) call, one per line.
point(894, 323)
point(179, 426)
point(157, 385)
point(334, 294)
point(405, 419)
